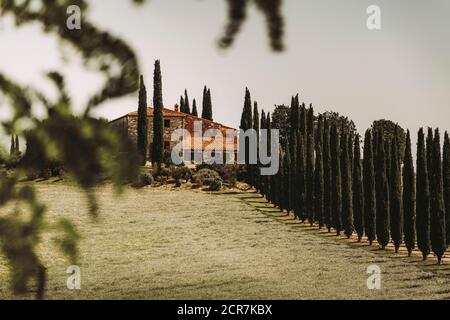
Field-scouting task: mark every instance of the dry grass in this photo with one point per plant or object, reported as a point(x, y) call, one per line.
point(157, 244)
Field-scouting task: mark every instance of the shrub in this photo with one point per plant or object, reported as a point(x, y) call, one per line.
point(215, 184)
point(146, 179)
point(46, 174)
point(205, 177)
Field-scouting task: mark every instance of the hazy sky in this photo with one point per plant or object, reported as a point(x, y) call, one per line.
point(401, 72)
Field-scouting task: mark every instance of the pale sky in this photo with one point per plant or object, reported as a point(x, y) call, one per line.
point(401, 72)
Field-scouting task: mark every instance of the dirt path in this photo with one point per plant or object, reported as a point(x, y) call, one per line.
point(156, 244)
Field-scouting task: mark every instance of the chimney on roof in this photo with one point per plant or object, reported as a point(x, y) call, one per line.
point(177, 108)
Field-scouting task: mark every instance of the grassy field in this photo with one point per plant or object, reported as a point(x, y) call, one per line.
point(157, 244)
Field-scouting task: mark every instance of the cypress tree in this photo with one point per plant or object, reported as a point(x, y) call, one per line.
point(255, 126)
point(327, 176)
point(347, 192)
point(194, 108)
point(142, 126)
point(409, 198)
point(187, 106)
point(369, 189)
point(263, 182)
point(422, 198)
point(286, 186)
point(382, 219)
point(437, 214)
point(310, 179)
point(301, 178)
point(358, 195)
point(319, 186)
point(293, 176)
point(269, 179)
point(158, 118)
point(310, 119)
point(207, 105)
point(446, 182)
point(247, 123)
point(182, 107)
point(303, 122)
point(396, 209)
point(336, 179)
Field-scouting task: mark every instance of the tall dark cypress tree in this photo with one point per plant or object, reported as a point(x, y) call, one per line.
point(336, 179)
point(182, 107)
point(347, 192)
point(310, 179)
point(358, 194)
point(396, 203)
point(369, 189)
point(327, 176)
point(209, 111)
point(301, 178)
point(246, 124)
point(158, 117)
point(269, 179)
point(263, 180)
point(187, 106)
point(142, 126)
point(409, 198)
point(286, 180)
point(204, 107)
point(255, 168)
point(422, 198)
point(319, 187)
point(194, 108)
point(382, 219)
point(437, 214)
point(446, 178)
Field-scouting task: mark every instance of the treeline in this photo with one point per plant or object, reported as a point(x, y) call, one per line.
point(324, 178)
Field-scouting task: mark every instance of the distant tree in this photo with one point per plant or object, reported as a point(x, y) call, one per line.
point(286, 180)
point(319, 187)
point(142, 126)
point(388, 130)
point(255, 126)
point(422, 198)
point(263, 180)
point(369, 189)
point(269, 179)
point(182, 106)
point(327, 176)
point(246, 124)
point(310, 179)
point(396, 202)
point(194, 108)
point(382, 218)
point(281, 121)
point(347, 191)
point(409, 197)
point(158, 117)
point(293, 187)
point(334, 118)
point(358, 194)
point(437, 215)
point(446, 178)
point(336, 179)
point(207, 105)
point(187, 105)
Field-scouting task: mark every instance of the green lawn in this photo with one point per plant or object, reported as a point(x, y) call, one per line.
point(160, 244)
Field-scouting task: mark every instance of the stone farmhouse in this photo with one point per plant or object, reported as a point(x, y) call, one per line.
point(194, 144)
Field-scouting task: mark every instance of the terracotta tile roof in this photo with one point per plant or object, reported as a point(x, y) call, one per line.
point(167, 113)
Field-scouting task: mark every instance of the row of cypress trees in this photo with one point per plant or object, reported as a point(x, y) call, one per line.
point(324, 180)
point(206, 105)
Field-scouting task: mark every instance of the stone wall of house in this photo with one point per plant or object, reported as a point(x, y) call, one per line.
point(175, 123)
